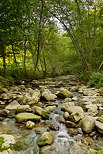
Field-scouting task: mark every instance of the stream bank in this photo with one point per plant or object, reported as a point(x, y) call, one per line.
point(54, 115)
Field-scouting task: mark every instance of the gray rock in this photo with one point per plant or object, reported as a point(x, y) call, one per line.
point(48, 95)
point(13, 105)
point(30, 124)
point(99, 126)
point(6, 141)
point(46, 138)
point(70, 124)
point(27, 116)
point(50, 108)
point(4, 113)
point(66, 115)
point(74, 109)
point(64, 106)
point(63, 93)
point(87, 124)
point(23, 108)
point(40, 111)
point(76, 116)
point(48, 149)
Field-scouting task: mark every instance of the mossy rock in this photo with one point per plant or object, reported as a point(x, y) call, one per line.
point(46, 138)
point(100, 152)
point(27, 116)
point(1, 144)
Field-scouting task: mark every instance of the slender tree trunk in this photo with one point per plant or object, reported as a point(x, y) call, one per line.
point(39, 35)
point(15, 60)
point(3, 55)
point(4, 61)
point(24, 63)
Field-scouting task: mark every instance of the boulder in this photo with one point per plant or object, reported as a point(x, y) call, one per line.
point(30, 124)
point(66, 115)
point(70, 124)
point(99, 126)
point(35, 96)
point(23, 108)
point(13, 105)
point(48, 149)
point(50, 108)
point(63, 93)
point(87, 124)
point(53, 126)
point(76, 116)
point(27, 116)
point(5, 96)
point(92, 112)
point(4, 113)
point(46, 138)
point(64, 106)
point(47, 95)
point(6, 141)
point(40, 111)
point(74, 109)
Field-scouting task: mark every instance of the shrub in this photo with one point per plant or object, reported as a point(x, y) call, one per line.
point(96, 80)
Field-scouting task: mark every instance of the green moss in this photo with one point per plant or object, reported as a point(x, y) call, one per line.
point(19, 146)
point(42, 142)
point(1, 144)
point(100, 152)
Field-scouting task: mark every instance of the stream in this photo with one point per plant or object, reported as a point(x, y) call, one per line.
point(26, 139)
point(66, 140)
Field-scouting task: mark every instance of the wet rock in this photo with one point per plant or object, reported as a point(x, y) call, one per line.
point(64, 106)
point(75, 98)
point(35, 96)
point(13, 105)
point(27, 116)
point(2, 103)
point(89, 91)
point(47, 95)
point(40, 111)
point(48, 149)
point(91, 106)
point(46, 138)
point(87, 124)
point(23, 108)
point(100, 152)
point(41, 130)
point(74, 109)
point(76, 116)
point(99, 126)
point(73, 131)
point(50, 108)
point(66, 115)
point(6, 141)
point(4, 113)
point(92, 112)
point(5, 96)
point(63, 93)
point(30, 124)
point(22, 99)
point(70, 124)
point(53, 126)
point(61, 119)
point(100, 119)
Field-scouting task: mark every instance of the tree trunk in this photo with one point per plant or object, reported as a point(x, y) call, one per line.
point(24, 62)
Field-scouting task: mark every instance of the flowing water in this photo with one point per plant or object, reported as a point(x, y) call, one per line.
point(26, 140)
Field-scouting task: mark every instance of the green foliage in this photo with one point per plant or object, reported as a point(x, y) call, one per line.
point(96, 80)
point(6, 81)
